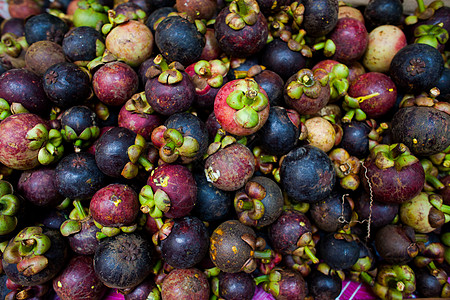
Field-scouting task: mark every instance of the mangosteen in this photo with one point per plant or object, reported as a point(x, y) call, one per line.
point(34, 256)
point(396, 244)
point(188, 284)
point(383, 12)
point(239, 285)
point(82, 44)
point(179, 40)
point(123, 261)
point(324, 285)
point(424, 130)
point(158, 14)
point(66, 84)
point(284, 284)
point(320, 17)
point(41, 55)
point(184, 243)
point(416, 68)
point(331, 213)
point(78, 280)
point(307, 174)
point(338, 250)
point(45, 27)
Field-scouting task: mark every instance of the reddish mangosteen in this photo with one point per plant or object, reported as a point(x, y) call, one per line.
point(23, 9)
point(130, 10)
point(350, 38)
point(124, 261)
point(188, 284)
point(130, 41)
point(394, 174)
point(371, 95)
point(241, 107)
point(26, 141)
point(24, 92)
point(307, 91)
point(230, 167)
point(137, 115)
point(241, 29)
point(339, 77)
point(183, 138)
point(115, 207)
point(34, 256)
point(179, 40)
point(212, 49)
point(208, 77)
point(184, 242)
point(169, 88)
point(119, 152)
point(307, 174)
point(233, 247)
point(114, 83)
point(171, 191)
point(198, 9)
point(78, 280)
point(39, 187)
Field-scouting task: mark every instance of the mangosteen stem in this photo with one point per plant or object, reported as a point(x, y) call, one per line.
point(242, 7)
point(80, 209)
point(434, 181)
point(244, 205)
point(264, 255)
point(145, 163)
point(437, 203)
point(420, 6)
point(367, 278)
point(261, 279)
point(311, 255)
point(398, 150)
point(161, 62)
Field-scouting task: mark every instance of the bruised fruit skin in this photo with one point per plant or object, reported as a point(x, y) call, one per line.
point(231, 167)
point(188, 284)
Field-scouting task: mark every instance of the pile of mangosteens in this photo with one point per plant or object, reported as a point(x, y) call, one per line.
point(181, 149)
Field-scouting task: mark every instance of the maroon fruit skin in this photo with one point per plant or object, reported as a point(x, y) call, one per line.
point(244, 42)
point(392, 186)
point(292, 286)
point(78, 281)
point(85, 242)
point(115, 205)
point(142, 124)
point(38, 186)
point(186, 284)
point(230, 168)
point(114, 83)
point(179, 184)
point(24, 87)
point(445, 192)
point(287, 229)
point(371, 83)
point(351, 38)
point(168, 99)
point(14, 144)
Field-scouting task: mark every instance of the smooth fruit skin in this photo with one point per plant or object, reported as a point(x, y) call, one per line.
point(132, 42)
point(384, 42)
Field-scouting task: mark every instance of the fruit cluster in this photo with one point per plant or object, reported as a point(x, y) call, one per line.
point(197, 149)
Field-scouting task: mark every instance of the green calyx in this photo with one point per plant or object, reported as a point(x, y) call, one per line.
point(431, 33)
point(394, 281)
point(106, 231)
point(84, 139)
point(139, 104)
point(5, 109)
point(338, 81)
point(307, 82)
point(242, 13)
point(154, 203)
point(248, 100)
point(9, 207)
point(248, 204)
point(12, 45)
point(178, 146)
point(90, 13)
point(27, 250)
point(136, 156)
point(48, 143)
point(395, 155)
point(212, 72)
point(114, 20)
point(306, 248)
